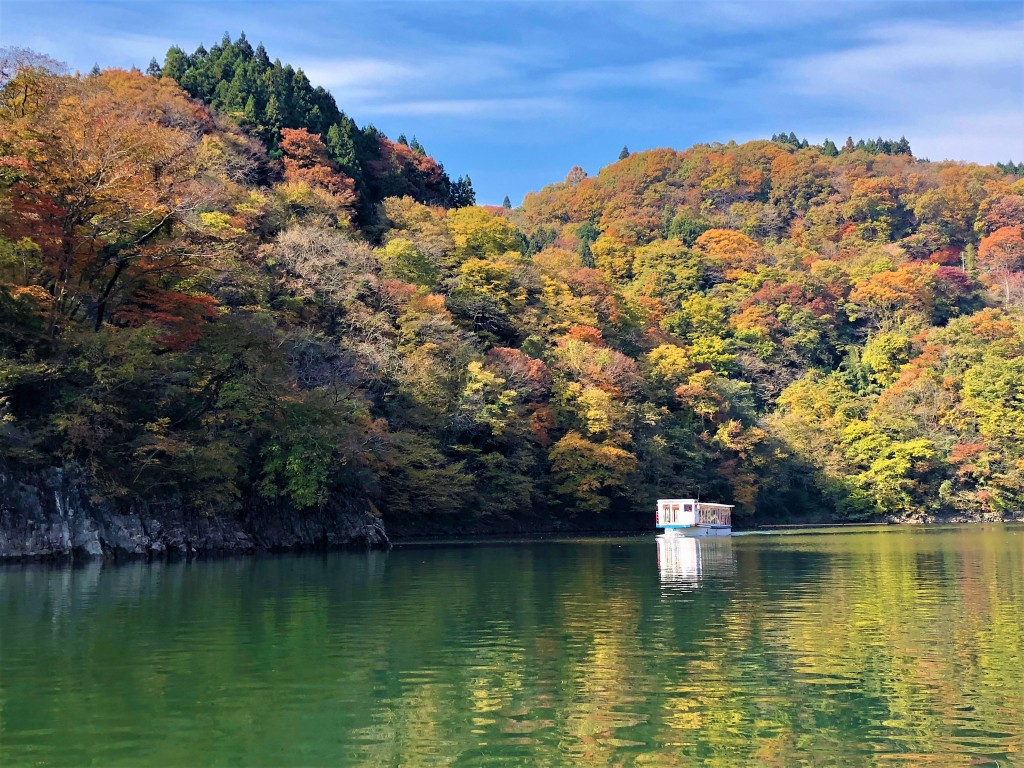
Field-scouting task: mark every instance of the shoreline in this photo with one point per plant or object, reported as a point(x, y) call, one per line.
point(468, 539)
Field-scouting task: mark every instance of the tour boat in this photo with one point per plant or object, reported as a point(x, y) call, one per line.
point(692, 517)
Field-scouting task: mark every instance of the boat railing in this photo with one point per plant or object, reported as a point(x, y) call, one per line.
point(714, 514)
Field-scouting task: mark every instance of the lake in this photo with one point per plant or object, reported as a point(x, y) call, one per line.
point(876, 647)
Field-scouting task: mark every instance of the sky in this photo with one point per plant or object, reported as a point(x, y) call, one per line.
point(515, 94)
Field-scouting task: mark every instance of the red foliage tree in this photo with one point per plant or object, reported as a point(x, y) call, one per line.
point(306, 160)
point(179, 314)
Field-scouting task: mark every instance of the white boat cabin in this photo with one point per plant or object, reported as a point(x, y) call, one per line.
point(691, 517)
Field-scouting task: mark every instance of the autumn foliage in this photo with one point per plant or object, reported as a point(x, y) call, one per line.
point(214, 285)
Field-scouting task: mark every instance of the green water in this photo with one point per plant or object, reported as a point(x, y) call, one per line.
point(875, 648)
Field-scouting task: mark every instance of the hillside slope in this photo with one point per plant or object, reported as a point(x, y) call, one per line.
point(187, 313)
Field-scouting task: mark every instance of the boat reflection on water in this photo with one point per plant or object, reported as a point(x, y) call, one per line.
point(685, 561)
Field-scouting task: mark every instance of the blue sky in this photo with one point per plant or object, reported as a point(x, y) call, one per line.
point(515, 93)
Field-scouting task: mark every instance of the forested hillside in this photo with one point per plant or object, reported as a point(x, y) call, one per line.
point(264, 98)
point(213, 285)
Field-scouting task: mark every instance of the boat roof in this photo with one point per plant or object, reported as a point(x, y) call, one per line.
point(694, 501)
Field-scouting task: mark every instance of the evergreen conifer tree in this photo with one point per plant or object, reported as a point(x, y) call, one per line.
point(506, 203)
point(624, 153)
point(272, 118)
point(249, 113)
point(462, 194)
point(175, 64)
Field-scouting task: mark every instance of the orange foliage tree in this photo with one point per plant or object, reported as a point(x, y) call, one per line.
point(1001, 256)
point(101, 171)
point(729, 249)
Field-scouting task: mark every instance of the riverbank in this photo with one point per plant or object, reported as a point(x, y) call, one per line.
point(54, 514)
point(51, 514)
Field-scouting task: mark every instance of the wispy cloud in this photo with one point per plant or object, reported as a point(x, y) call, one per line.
point(136, 48)
point(659, 72)
point(346, 73)
point(511, 90)
point(506, 109)
point(986, 137)
point(956, 90)
point(908, 54)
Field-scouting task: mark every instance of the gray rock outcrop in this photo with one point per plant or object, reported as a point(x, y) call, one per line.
point(50, 514)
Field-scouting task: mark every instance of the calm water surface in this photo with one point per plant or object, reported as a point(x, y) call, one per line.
point(876, 648)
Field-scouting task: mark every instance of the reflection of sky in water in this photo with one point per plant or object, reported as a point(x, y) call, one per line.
point(685, 561)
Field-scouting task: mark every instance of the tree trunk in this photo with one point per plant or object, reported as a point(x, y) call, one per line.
point(101, 306)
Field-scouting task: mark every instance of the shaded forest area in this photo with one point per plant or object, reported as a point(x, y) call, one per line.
point(213, 284)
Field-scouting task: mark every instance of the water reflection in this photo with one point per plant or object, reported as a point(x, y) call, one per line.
point(685, 561)
point(876, 649)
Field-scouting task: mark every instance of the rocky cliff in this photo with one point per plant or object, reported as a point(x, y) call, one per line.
point(50, 514)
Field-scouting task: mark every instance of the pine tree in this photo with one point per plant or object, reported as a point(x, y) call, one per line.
point(586, 256)
point(461, 194)
point(175, 64)
point(272, 115)
point(849, 146)
point(506, 203)
point(624, 153)
point(249, 114)
point(416, 147)
point(829, 148)
point(261, 58)
point(342, 150)
point(402, 140)
point(153, 70)
point(243, 47)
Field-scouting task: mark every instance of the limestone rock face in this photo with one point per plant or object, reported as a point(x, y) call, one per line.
point(50, 514)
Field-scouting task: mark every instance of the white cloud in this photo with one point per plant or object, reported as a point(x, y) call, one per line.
point(128, 49)
point(472, 73)
point(984, 138)
point(922, 56)
point(661, 72)
point(510, 108)
point(741, 14)
point(346, 73)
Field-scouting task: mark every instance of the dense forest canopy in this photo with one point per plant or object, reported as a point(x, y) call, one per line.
point(267, 97)
point(214, 285)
